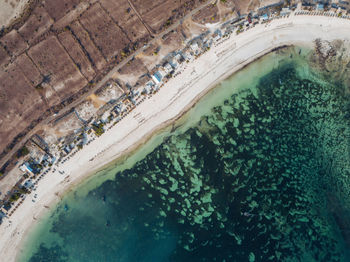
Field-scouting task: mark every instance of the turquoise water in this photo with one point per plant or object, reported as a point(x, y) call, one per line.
point(257, 171)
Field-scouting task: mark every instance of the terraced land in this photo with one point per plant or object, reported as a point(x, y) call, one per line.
point(60, 50)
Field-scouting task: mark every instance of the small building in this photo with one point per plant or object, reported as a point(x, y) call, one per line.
point(2, 215)
point(195, 48)
point(25, 167)
point(105, 116)
point(53, 160)
point(217, 35)
point(264, 17)
point(178, 58)
point(150, 83)
point(168, 68)
point(28, 184)
point(157, 77)
point(67, 149)
point(174, 64)
point(285, 11)
point(320, 7)
point(114, 113)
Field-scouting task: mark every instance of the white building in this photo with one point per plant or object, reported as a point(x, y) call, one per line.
point(105, 116)
point(285, 11)
point(168, 68)
point(157, 78)
point(178, 58)
point(174, 63)
point(195, 48)
point(25, 168)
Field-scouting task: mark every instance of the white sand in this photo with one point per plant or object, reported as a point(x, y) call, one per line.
point(10, 10)
point(172, 100)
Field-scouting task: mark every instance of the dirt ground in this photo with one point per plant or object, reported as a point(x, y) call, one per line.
point(20, 104)
point(95, 57)
point(159, 14)
point(210, 14)
point(132, 70)
point(107, 36)
point(14, 43)
point(10, 10)
point(29, 69)
point(59, 47)
point(57, 9)
point(126, 17)
point(37, 25)
point(77, 54)
point(57, 67)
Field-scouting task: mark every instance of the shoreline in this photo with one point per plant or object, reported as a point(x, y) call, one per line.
point(168, 105)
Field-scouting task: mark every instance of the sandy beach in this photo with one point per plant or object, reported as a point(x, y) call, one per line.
point(171, 101)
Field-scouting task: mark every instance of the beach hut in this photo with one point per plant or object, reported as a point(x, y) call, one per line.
point(264, 17)
point(319, 7)
point(157, 77)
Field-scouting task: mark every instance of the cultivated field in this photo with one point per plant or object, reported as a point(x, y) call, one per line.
point(58, 50)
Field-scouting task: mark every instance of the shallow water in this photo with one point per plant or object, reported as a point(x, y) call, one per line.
point(258, 171)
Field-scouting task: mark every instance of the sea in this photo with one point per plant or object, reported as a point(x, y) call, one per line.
point(257, 170)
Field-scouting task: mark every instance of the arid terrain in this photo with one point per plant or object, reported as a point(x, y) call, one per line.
point(56, 54)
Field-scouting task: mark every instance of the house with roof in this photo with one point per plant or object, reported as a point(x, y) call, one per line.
point(28, 184)
point(178, 58)
point(195, 48)
point(168, 68)
point(264, 18)
point(320, 7)
point(285, 11)
point(157, 77)
point(25, 167)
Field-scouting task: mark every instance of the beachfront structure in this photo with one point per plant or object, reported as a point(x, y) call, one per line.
point(157, 77)
point(168, 68)
point(25, 167)
point(285, 11)
point(178, 58)
point(149, 87)
point(28, 184)
point(67, 149)
point(174, 64)
point(217, 35)
point(105, 116)
point(195, 48)
point(320, 7)
point(344, 5)
point(264, 18)
point(2, 215)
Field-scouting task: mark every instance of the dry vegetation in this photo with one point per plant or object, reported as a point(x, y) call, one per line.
point(13, 43)
point(105, 33)
point(159, 14)
point(75, 51)
point(210, 14)
point(91, 51)
point(57, 67)
point(20, 104)
point(121, 12)
point(57, 49)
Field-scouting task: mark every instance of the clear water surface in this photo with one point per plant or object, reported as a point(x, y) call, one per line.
point(257, 171)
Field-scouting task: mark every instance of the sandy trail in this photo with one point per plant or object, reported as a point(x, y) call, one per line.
point(177, 96)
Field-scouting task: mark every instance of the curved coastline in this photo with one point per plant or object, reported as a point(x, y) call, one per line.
point(166, 106)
